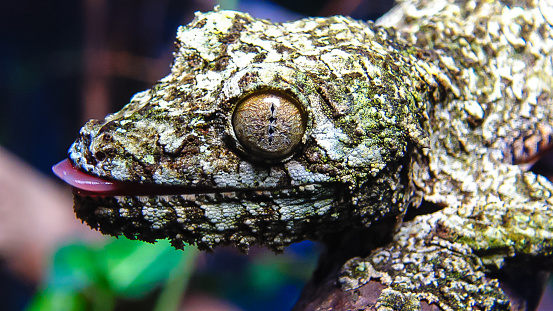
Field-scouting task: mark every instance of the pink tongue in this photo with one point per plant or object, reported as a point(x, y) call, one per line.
point(83, 181)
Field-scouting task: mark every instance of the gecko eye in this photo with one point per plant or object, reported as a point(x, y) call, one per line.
point(269, 124)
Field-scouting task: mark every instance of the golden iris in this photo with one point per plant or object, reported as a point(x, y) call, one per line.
point(269, 124)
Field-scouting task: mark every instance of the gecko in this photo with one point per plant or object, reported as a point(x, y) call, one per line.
point(273, 133)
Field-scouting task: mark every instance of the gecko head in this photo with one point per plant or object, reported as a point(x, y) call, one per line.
point(262, 134)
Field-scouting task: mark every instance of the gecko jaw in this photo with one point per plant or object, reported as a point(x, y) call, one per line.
point(89, 185)
point(85, 184)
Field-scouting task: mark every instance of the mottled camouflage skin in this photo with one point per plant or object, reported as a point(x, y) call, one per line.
point(443, 108)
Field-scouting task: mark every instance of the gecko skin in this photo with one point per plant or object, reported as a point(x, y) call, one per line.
point(271, 134)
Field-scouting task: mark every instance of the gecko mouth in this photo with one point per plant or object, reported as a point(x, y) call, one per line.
point(89, 185)
point(84, 184)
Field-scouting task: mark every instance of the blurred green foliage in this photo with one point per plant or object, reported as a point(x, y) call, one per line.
point(131, 275)
point(101, 276)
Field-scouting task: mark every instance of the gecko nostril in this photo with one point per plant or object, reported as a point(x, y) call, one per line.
point(100, 156)
point(269, 124)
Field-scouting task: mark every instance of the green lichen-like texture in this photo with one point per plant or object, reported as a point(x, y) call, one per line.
point(439, 102)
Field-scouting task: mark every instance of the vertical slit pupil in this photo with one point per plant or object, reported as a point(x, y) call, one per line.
point(271, 132)
point(272, 120)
